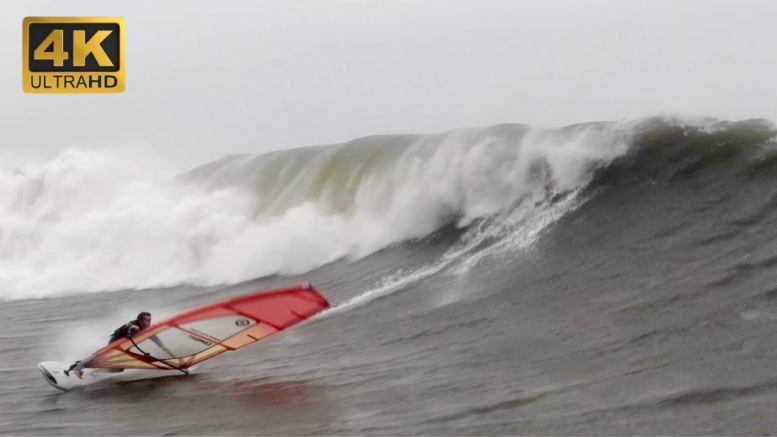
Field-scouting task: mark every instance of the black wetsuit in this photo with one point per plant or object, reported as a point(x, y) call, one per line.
point(124, 331)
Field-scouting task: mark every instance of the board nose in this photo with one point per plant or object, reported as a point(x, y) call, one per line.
point(48, 375)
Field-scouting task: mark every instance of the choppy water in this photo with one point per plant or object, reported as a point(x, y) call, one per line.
point(604, 278)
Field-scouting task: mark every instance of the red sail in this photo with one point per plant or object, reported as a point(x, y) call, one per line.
point(202, 333)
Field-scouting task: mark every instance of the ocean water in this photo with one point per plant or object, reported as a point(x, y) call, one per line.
point(601, 278)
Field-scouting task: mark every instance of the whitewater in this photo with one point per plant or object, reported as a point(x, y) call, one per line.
point(89, 221)
point(603, 278)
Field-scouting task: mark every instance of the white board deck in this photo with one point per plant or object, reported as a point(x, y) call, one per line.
point(54, 373)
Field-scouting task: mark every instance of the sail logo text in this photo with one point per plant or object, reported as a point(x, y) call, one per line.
point(199, 340)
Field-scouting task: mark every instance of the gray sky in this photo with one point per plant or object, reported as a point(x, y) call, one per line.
point(208, 78)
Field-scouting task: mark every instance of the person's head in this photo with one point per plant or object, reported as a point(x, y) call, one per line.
point(144, 320)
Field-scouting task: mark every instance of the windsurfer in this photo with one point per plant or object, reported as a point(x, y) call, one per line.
point(127, 330)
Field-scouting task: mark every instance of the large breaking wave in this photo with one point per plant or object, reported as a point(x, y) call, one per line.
point(91, 221)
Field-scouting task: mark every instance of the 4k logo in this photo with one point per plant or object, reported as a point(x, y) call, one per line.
point(73, 55)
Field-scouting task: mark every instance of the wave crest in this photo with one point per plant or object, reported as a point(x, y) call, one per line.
point(91, 221)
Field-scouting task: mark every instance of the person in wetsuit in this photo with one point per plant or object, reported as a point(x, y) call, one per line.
point(127, 330)
point(142, 322)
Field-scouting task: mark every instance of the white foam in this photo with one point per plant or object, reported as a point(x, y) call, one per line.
point(92, 221)
point(511, 235)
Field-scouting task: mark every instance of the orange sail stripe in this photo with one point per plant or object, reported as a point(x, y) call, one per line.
point(258, 332)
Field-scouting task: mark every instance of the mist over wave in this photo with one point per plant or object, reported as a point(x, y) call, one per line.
point(92, 221)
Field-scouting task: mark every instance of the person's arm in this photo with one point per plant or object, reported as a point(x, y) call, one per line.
point(159, 343)
point(131, 330)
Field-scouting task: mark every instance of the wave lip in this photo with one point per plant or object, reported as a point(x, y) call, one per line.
point(93, 221)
